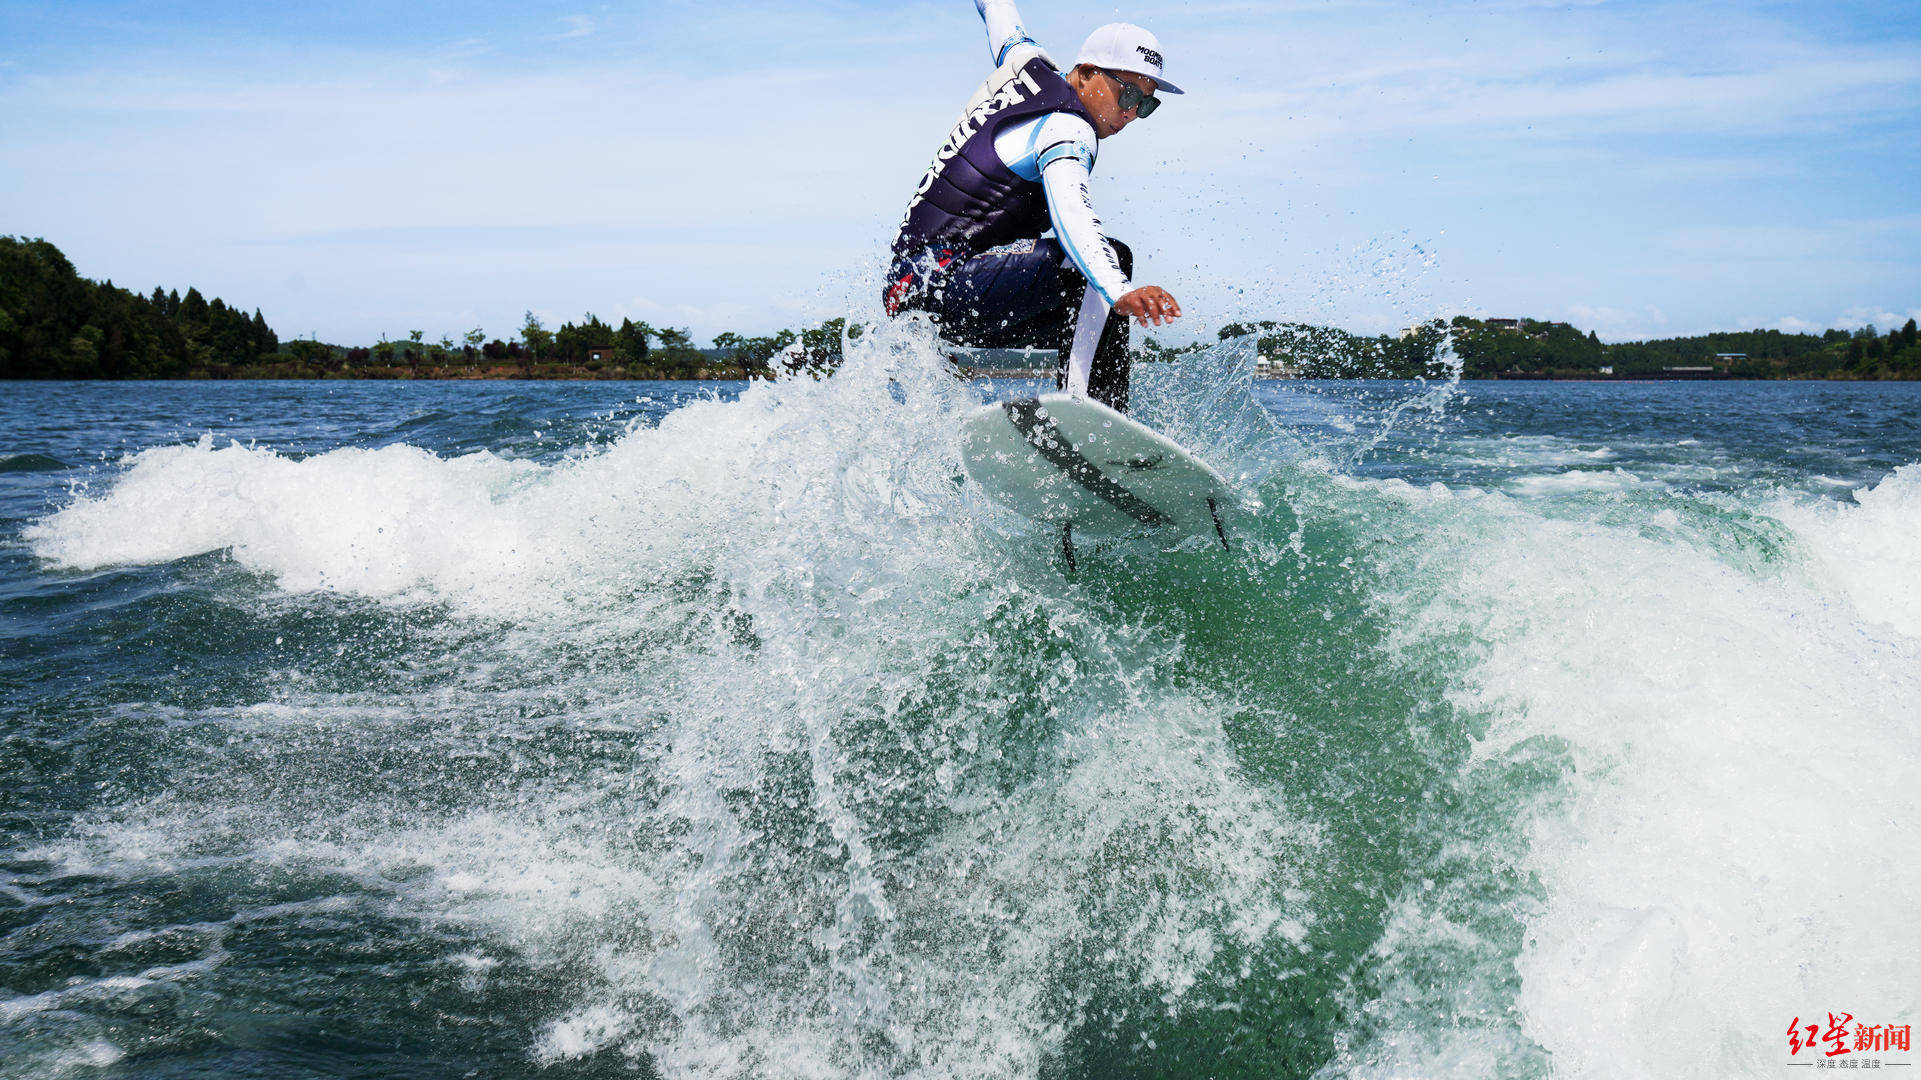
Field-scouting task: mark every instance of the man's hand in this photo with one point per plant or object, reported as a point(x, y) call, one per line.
point(1149, 304)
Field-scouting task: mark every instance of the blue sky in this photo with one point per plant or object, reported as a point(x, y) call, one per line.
point(353, 169)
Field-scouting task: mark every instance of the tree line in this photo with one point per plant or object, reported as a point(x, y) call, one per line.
point(55, 324)
point(1506, 348)
point(1532, 347)
point(594, 348)
point(1326, 352)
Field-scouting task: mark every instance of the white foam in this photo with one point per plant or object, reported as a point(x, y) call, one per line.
point(367, 522)
point(505, 537)
point(1729, 848)
point(1870, 550)
point(63, 1039)
point(585, 1032)
point(1575, 480)
point(1537, 452)
point(96, 1054)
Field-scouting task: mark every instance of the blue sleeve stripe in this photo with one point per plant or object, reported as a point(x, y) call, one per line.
point(1008, 46)
point(1064, 149)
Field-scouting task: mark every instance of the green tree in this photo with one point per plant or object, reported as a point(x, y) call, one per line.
point(677, 351)
point(535, 336)
point(822, 346)
point(56, 324)
point(573, 342)
point(630, 341)
point(230, 336)
point(84, 350)
point(752, 354)
point(193, 309)
point(265, 341)
point(1317, 351)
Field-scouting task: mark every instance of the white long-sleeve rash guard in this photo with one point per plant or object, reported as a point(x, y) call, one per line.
point(1058, 151)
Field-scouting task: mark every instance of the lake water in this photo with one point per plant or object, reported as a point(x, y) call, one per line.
point(696, 730)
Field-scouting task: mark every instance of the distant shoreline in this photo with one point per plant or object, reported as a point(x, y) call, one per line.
point(55, 324)
point(257, 374)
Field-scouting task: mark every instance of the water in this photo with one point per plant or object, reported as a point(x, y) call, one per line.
point(613, 729)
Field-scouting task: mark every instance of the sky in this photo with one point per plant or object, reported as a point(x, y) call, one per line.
point(357, 169)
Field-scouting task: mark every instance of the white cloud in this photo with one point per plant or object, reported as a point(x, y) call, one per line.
point(1546, 79)
point(1881, 319)
point(1615, 324)
point(577, 26)
point(1853, 318)
point(1789, 324)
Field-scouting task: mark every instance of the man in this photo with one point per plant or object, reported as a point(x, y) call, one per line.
point(970, 253)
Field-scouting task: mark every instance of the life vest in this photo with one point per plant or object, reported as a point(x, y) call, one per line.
point(969, 200)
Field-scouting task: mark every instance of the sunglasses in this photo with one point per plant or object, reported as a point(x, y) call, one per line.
point(1132, 97)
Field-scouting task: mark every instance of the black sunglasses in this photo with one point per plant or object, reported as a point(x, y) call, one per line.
point(1132, 97)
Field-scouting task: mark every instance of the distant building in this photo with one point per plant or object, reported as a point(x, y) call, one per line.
point(600, 354)
point(1607, 369)
point(1730, 357)
point(1693, 371)
point(1265, 368)
point(1505, 324)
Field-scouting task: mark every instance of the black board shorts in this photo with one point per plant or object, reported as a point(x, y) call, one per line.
point(1025, 295)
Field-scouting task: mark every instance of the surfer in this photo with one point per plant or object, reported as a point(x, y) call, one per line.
point(970, 251)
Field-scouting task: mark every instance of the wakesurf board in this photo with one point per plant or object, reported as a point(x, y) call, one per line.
point(1090, 469)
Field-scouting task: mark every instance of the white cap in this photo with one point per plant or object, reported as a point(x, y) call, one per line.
point(1125, 47)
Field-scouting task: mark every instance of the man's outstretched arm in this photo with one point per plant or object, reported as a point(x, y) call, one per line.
point(1005, 36)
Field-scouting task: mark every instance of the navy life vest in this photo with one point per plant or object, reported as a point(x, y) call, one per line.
point(969, 200)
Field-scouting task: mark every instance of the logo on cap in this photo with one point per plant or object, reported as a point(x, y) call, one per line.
point(1152, 56)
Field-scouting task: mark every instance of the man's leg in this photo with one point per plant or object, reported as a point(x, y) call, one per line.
point(1007, 298)
point(1029, 295)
